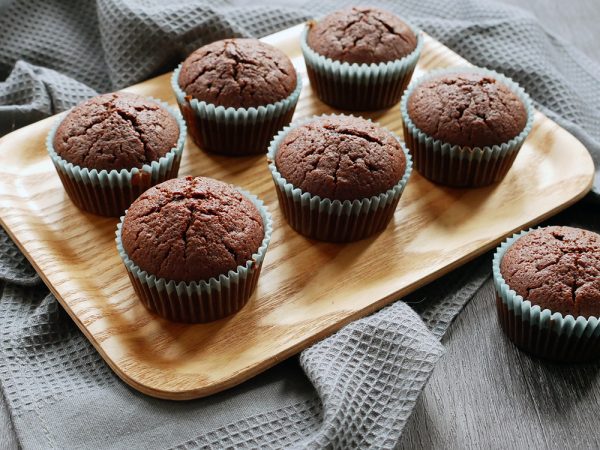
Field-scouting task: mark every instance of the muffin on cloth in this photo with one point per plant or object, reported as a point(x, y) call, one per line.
point(111, 148)
point(193, 248)
point(338, 178)
point(360, 58)
point(548, 292)
point(464, 127)
point(235, 94)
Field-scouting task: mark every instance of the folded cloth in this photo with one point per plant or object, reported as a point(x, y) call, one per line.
point(356, 388)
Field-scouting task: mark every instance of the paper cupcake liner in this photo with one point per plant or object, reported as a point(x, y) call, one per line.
point(109, 193)
point(200, 301)
point(540, 331)
point(333, 220)
point(234, 131)
point(460, 166)
point(359, 87)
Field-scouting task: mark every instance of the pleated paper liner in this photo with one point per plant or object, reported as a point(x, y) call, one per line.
point(539, 331)
point(109, 193)
point(460, 166)
point(234, 131)
point(202, 300)
point(334, 220)
point(359, 87)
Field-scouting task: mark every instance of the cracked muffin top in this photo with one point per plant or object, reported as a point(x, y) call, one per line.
point(191, 229)
point(362, 36)
point(556, 268)
point(238, 73)
point(341, 158)
point(116, 131)
point(467, 109)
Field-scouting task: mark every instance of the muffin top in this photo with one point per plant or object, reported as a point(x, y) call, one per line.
point(116, 131)
point(341, 158)
point(191, 229)
point(362, 36)
point(467, 109)
point(240, 73)
point(556, 268)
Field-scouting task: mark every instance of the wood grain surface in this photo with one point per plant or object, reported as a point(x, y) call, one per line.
point(486, 393)
point(307, 289)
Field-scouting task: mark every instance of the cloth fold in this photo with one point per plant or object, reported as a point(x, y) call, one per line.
point(356, 388)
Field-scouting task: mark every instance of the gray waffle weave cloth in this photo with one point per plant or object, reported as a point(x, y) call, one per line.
point(355, 389)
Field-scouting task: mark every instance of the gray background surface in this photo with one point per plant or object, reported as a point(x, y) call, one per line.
point(484, 392)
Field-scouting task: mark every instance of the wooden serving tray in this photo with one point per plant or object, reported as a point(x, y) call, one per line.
point(307, 289)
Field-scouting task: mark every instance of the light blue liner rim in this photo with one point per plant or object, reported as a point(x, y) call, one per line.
point(327, 205)
point(122, 177)
point(223, 282)
point(231, 114)
point(544, 319)
point(362, 72)
point(486, 152)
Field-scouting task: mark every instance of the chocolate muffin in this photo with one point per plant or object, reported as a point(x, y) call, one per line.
point(111, 148)
point(557, 268)
point(116, 131)
point(341, 158)
point(467, 109)
point(464, 127)
point(191, 229)
point(338, 178)
point(255, 81)
point(240, 73)
point(193, 248)
point(548, 292)
point(360, 58)
point(362, 35)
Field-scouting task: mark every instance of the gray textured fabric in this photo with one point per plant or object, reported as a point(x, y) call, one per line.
point(354, 389)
